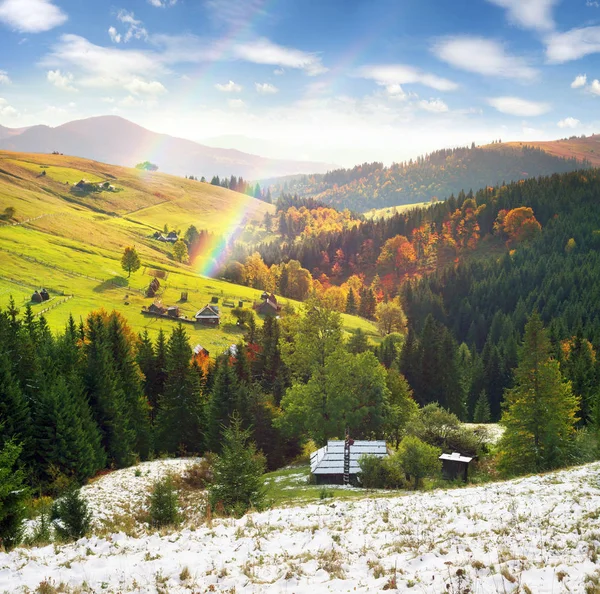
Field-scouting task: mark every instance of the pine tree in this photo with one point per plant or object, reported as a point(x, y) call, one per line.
point(358, 342)
point(129, 382)
point(106, 399)
point(146, 361)
point(238, 482)
point(351, 303)
point(179, 423)
point(539, 412)
point(223, 401)
point(13, 495)
point(482, 413)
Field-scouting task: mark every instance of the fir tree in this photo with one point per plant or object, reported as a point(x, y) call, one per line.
point(238, 482)
point(539, 412)
point(179, 423)
point(223, 402)
point(482, 413)
point(351, 303)
point(13, 495)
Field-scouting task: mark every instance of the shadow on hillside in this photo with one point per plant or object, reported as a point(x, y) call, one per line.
point(112, 283)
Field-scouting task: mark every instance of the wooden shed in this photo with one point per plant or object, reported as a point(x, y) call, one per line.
point(327, 464)
point(455, 466)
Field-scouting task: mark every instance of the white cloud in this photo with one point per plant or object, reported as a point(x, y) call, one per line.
point(399, 74)
point(141, 87)
point(236, 104)
point(4, 78)
point(7, 110)
point(519, 107)
point(433, 106)
point(162, 3)
point(395, 91)
point(279, 72)
point(266, 88)
point(529, 14)
point(135, 29)
point(573, 44)
point(102, 67)
point(229, 87)
point(264, 51)
point(114, 36)
point(595, 87)
point(482, 56)
point(31, 16)
point(61, 81)
point(580, 81)
point(108, 99)
point(568, 123)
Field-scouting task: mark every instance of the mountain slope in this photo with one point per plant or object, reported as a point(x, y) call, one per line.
point(71, 241)
point(536, 534)
point(587, 148)
point(438, 175)
point(112, 139)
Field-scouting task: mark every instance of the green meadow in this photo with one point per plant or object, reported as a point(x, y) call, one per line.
point(71, 242)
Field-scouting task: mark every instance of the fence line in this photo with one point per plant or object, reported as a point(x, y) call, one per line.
point(55, 304)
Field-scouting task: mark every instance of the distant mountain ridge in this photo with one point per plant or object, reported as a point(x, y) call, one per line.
point(115, 140)
point(578, 147)
point(438, 175)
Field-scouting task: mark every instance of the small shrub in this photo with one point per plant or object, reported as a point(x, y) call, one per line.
point(164, 503)
point(42, 533)
point(137, 472)
point(200, 474)
point(72, 515)
point(325, 493)
point(185, 574)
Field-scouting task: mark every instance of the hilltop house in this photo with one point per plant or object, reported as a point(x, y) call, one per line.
point(327, 464)
point(209, 314)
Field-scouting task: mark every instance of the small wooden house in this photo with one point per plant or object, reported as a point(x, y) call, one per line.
point(268, 305)
point(209, 314)
point(157, 308)
point(327, 464)
point(455, 466)
point(172, 237)
point(173, 311)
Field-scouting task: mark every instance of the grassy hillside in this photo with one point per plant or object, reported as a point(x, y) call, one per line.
point(71, 241)
point(569, 148)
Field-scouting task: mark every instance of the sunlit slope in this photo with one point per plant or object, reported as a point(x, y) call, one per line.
point(579, 148)
point(71, 242)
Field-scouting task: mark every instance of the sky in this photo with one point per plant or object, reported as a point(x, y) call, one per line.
point(340, 81)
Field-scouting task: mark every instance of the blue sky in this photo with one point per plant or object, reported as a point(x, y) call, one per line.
point(344, 81)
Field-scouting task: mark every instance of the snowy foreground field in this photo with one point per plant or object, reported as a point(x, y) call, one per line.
point(536, 534)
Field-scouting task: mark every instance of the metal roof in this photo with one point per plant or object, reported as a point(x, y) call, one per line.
point(330, 458)
point(455, 457)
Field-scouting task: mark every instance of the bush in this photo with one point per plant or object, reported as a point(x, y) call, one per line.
point(380, 473)
point(584, 446)
point(442, 429)
point(417, 459)
point(71, 515)
point(164, 503)
point(238, 483)
point(42, 533)
point(200, 474)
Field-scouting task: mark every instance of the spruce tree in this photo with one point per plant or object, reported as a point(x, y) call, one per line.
point(482, 413)
point(179, 423)
point(106, 399)
point(13, 495)
point(351, 303)
point(540, 412)
point(223, 402)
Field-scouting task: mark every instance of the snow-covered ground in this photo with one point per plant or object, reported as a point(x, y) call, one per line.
point(535, 534)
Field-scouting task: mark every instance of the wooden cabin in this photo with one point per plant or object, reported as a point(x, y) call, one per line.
point(209, 314)
point(327, 464)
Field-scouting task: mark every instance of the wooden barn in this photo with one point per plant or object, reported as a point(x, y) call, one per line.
point(200, 350)
point(209, 314)
point(327, 464)
point(157, 308)
point(455, 466)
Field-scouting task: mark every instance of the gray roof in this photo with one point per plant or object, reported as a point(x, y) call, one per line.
point(330, 458)
point(456, 457)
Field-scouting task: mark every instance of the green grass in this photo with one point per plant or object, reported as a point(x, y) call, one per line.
point(72, 245)
point(289, 486)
